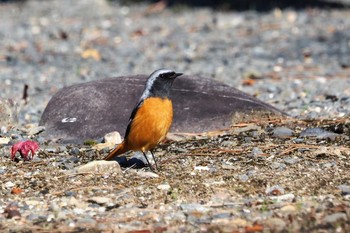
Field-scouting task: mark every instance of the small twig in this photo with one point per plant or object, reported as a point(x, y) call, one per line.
point(25, 93)
point(128, 168)
point(77, 174)
point(294, 147)
point(82, 188)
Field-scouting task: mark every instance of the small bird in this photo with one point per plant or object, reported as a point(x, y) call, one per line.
point(151, 118)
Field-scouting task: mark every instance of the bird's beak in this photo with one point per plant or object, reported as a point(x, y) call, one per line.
point(177, 74)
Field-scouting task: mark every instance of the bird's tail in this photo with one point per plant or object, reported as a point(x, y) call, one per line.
point(120, 149)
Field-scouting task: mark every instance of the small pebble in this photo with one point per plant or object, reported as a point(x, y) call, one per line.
point(332, 218)
point(112, 137)
point(194, 207)
point(288, 209)
point(279, 166)
point(164, 187)
point(291, 161)
point(282, 132)
point(243, 177)
point(101, 200)
point(4, 141)
point(74, 151)
point(289, 197)
point(9, 184)
point(345, 189)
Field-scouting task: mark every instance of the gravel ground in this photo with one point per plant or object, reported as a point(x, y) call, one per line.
point(288, 176)
point(266, 177)
point(296, 60)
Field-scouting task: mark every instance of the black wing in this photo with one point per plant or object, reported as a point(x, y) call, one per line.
point(132, 118)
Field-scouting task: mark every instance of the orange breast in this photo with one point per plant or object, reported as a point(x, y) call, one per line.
point(150, 124)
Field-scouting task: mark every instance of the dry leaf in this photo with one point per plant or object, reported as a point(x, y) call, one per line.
point(255, 228)
point(91, 53)
point(16, 191)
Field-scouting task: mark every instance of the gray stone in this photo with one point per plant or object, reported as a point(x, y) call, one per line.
point(243, 177)
point(345, 189)
point(279, 166)
point(282, 132)
point(332, 218)
point(90, 110)
point(74, 151)
point(99, 166)
point(291, 161)
point(256, 151)
point(320, 133)
point(194, 207)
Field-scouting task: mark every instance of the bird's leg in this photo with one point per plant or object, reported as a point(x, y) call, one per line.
point(150, 166)
point(154, 159)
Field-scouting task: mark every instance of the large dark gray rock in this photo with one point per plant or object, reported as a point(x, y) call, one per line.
point(90, 110)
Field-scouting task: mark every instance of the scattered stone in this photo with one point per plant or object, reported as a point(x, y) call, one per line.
point(299, 140)
point(289, 197)
point(275, 190)
point(282, 132)
point(99, 166)
point(4, 141)
point(33, 129)
point(275, 224)
point(291, 161)
point(243, 177)
point(164, 187)
point(194, 208)
point(201, 168)
point(9, 185)
point(112, 137)
point(327, 151)
point(332, 218)
point(256, 151)
point(2, 171)
point(328, 165)
point(33, 217)
point(74, 151)
point(145, 174)
point(100, 200)
point(101, 146)
point(345, 189)
point(288, 209)
point(279, 166)
point(320, 133)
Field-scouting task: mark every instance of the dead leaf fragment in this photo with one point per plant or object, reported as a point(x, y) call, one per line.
point(254, 228)
point(16, 191)
point(248, 82)
point(91, 53)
